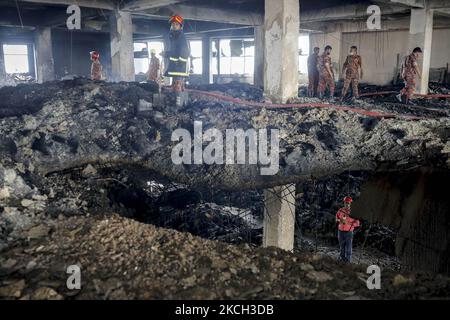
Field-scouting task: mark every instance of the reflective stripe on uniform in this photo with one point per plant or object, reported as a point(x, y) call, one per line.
point(182, 59)
point(173, 59)
point(181, 74)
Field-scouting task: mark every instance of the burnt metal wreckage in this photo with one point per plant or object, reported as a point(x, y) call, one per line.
point(401, 152)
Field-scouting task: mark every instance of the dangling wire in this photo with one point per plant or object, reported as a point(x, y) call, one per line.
point(364, 243)
point(18, 12)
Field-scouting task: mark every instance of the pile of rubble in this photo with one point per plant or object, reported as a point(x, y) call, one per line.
point(122, 259)
point(73, 151)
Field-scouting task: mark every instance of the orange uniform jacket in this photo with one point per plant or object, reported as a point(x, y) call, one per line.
point(96, 70)
point(350, 223)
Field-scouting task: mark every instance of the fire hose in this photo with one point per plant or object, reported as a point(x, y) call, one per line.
point(424, 96)
point(248, 103)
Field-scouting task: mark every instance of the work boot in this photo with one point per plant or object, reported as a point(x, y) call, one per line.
point(320, 95)
point(399, 98)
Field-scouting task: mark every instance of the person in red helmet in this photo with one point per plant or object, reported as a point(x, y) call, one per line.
point(346, 226)
point(178, 55)
point(96, 67)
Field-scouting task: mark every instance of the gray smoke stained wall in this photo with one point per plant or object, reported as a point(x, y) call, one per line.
point(416, 203)
point(71, 52)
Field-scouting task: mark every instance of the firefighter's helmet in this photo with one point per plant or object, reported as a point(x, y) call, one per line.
point(348, 200)
point(176, 18)
point(95, 55)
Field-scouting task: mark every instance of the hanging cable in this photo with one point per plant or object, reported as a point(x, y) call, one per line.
point(18, 12)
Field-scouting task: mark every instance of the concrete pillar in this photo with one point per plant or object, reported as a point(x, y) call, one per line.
point(206, 60)
point(258, 75)
point(279, 217)
point(281, 32)
point(420, 35)
point(2, 63)
point(45, 67)
point(31, 60)
point(122, 51)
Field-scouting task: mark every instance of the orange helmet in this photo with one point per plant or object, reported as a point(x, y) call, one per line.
point(176, 18)
point(95, 55)
point(348, 200)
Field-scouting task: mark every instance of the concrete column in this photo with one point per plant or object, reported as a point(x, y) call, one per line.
point(279, 217)
point(258, 75)
point(2, 63)
point(31, 60)
point(420, 35)
point(281, 31)
point(206, 59)
point(45, 67)
point(122, 51)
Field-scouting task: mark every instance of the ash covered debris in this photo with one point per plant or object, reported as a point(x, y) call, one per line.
point(184, 267)
point(75, 150)
point(97, 123)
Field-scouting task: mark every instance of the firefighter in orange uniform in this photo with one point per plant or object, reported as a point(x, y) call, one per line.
point(346, 226)
point(154, 68)
point(410, 69)
point(326, 75)
point(96, 67)
point(353, 72)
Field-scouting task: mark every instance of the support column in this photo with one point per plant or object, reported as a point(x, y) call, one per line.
point(44, 55)
point(122, 51)
point(420, 35)
point(279, 217)
point(258, 75)
point(2, 63)
point(206, 59)
point(281, 32)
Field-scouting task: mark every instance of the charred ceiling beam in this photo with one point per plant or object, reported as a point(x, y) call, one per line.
point(208, 14)
point(139, 5)
point(97, 4)
point(430, 4)
point(443, 12)
point(439, 4)
point(410, 3)
point(346, 12)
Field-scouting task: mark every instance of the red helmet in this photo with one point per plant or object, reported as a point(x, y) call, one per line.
point(95, 55)
point(176, 18)
point(348, 200)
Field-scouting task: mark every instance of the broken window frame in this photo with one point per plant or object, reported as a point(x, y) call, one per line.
point(218, 70)
point(29, 57)
point(196, 57)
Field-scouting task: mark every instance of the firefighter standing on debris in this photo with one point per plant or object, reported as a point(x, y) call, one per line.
point(96, 67)
point(410, 68)
point(313, 73)
point(178, 55)
point(154, 67)
point(352, 72)
point(326, 75)
point(346, 226)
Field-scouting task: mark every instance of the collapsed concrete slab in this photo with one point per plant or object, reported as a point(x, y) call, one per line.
point(62, 125)
point(80, 124)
